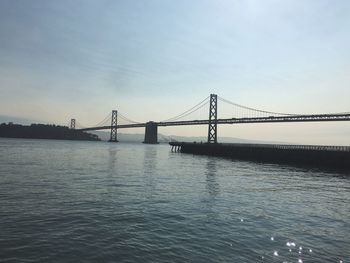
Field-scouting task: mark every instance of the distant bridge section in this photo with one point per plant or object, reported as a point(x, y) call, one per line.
point(152, 127)
point(295, 118)
point(271, 119)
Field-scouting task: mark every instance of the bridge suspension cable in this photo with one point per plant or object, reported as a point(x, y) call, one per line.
point(127, 119)
point(104, 121)
point(101, 123)
point(255, 110)
point(78, 125)
point(198, 106)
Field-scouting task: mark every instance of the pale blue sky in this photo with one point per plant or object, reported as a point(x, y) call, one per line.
point(154, 59)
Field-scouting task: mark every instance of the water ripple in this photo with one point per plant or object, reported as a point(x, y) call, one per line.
point(59, 202)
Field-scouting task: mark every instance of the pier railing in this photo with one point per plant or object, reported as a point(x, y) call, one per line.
point(295, 147)
point(280, 146)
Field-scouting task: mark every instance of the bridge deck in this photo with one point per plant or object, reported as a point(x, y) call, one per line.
point(270, 119)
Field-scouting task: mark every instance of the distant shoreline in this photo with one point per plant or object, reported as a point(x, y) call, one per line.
point(44, 131)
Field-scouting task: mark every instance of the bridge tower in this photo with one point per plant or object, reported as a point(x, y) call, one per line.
point(213, 116)
point(151, 133)
point(72, 124)
point(114, 123)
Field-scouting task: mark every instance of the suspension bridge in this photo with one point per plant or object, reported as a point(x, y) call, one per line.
point(249, 115)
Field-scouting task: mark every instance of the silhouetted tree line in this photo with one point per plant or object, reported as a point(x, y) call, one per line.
point(43, 131)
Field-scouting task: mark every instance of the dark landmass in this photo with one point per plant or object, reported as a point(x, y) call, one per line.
point(44, 131)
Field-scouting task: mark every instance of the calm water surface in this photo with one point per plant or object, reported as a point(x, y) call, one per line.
point(68, 201)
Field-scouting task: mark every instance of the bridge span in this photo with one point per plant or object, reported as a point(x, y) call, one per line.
point(151, 127)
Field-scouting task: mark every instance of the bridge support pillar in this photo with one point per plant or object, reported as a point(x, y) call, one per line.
point(213, 119)
point(151, 133)
point(114, 123)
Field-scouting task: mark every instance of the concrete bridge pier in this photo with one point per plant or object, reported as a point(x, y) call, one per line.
point(151, 133)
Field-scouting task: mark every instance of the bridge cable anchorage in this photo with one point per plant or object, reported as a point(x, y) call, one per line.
point(114, 124)
point(198, 106)
point(256, 110)
point(213, 119)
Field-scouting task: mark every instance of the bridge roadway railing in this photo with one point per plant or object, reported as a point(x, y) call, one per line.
point(289, 118)
point(124, 126)
point(270, 119)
